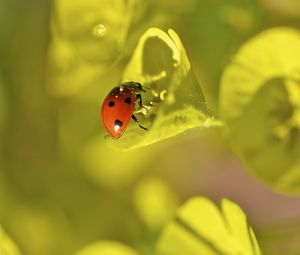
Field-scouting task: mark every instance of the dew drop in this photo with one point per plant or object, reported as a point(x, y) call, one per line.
point(99, 30)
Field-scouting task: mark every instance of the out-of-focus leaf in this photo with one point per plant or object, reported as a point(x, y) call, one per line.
point(2, 104)
point(280, 237)
point(155, 202)
point(288, 8)
point(160, 62)
point(214, 30)
point(87, 39)
point(78, 120)
point(260, 101)
point(49, 222)
point(201, 228)
point(108, 172)
point(7, 246)
point(107, 248)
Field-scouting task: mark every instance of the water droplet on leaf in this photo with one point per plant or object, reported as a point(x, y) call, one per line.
point(99, 30)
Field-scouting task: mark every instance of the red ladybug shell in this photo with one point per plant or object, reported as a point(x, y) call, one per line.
point(117, 110)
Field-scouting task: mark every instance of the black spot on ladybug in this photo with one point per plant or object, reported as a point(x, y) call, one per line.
point(111, 104)
point(127, 100)
point(118, 123)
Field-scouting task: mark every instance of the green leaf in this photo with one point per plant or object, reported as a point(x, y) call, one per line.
point(107, 248)
point(260, 101)
point(160, 63)
point(7, 246)
point(88, 37)
point(201, 228)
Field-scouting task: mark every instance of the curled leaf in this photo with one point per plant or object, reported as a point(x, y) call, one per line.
point(160, 63)
point(201, 228)
point(260, 101)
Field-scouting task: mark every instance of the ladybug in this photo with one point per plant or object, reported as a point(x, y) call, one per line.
point(118, 107)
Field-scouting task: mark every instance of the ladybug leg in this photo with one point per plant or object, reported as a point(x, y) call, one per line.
point(140, 87)
point(137, 122)
point(139, 97)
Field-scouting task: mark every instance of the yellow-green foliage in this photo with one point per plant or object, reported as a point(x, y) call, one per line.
point(222, 83)
point(106, 247)
point(160, 61)
point(259, 100)
point(7, 246)
point(201, 228)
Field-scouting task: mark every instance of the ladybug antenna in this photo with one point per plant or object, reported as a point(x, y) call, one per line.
point(143, 88)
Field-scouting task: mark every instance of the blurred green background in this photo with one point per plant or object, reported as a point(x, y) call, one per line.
point(61, 186)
